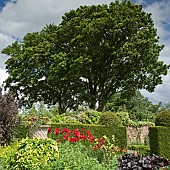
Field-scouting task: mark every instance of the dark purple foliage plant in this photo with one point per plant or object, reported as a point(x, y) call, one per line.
point(8, 117)
point(142, 162)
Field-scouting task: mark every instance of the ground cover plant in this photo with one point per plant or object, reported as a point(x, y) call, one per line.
point(141, 162)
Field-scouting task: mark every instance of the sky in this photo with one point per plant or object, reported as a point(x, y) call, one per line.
point(18, 17)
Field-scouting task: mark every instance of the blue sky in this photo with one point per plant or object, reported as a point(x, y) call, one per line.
point(18, 17)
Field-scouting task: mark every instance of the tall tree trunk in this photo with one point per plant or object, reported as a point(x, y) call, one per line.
point(62, 104)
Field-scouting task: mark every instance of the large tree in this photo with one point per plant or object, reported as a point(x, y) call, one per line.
point(94, 53)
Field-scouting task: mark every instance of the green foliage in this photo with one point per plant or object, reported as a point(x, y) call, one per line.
point(91, 63)
point(8, 117)
point(74, 156)
point(138, 107)
point(159, 137)
point(21, 131)
point(89, 117)
point(34, 154)
point(139, 149)
point(163, 118)
point(59, 118)
point(124, 116)
point(6, 152)
point(110, 119)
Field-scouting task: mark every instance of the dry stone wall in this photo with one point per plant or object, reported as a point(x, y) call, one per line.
point(137, 134)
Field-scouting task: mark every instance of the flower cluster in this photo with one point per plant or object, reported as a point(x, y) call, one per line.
point(85, 136)
point(72, 136)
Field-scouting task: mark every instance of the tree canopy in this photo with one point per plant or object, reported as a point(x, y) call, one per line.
point(95, 52)
point(138, 106)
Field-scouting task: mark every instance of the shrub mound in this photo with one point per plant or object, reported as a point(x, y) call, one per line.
point(163, 118)
point(110, 119)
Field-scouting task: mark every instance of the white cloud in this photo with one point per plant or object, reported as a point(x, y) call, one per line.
point(3, 76)
point(29, 16)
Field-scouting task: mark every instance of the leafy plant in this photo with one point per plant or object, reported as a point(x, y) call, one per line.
point(89, 117)
point(34, 154)
point(74, 156)
point(8, 117)
point(131, 161)
point(5, 154)
point(37, 115)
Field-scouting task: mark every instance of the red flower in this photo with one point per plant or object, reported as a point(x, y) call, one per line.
point(57, 131)
point(98, 145)
point(95, 149)
point(66, 130)
point(83, 130)
point(88, 133)
point(90, 138)
point(68, 134)
point(49, 130)
point(161, 165)
point(73, 139)
point(59, 140)
point(82, 137)
point(101, 141)
point(66, 137)
point(76, 133)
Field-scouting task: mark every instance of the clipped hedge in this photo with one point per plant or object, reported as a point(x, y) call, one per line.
point(98, 131)
point(160, 141)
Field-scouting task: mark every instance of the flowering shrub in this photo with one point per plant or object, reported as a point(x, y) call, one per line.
point(102, 149)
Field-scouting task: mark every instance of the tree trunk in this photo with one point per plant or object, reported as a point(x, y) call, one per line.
point(62, 104)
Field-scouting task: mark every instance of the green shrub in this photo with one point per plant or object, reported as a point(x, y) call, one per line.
point(89, 117)
point(5, 153)
point(163, 118)
point(34, 154)
point(159, 137)
point(110, 119)
point(20, 132)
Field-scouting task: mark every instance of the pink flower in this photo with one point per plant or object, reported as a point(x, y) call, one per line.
point(95, 149)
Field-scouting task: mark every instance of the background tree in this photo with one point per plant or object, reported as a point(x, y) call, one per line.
point(138, 106)
point(95, 52)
